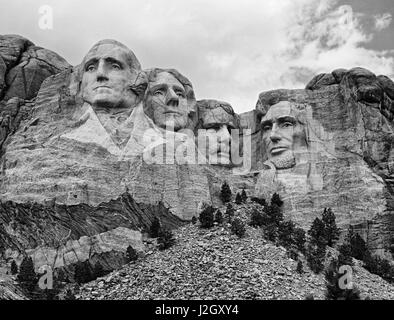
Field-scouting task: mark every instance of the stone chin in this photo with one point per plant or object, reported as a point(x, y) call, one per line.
point(176, 122)
point(285, 160)
point(107, 99)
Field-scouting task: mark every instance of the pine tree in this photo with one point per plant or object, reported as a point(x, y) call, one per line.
point(219, 217)
point(14, 267)
point(27, 277)
point(238, 227)
point(131, 254)
point(274, 213)
point(238, 198)
point(300, 269)
point(286, 233)
point(276, 200)
point(207, 217)
point(345, 255)
point(271, 232)
point(155, 228)
point(299, 239)
point(257, 218)
point(229, 212)
point(82, 272)
point(379, 266)
point(244, 196)
point(331, 229)
point(315, 256)
point(166, 239)
point(317, 233)
point(225, 192)
point(358, 245)
point(98, 270)
point(260, 201)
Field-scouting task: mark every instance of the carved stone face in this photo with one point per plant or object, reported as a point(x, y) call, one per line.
point(108, 71)
point(283, 134)
point(166, 103)
point(218, 124)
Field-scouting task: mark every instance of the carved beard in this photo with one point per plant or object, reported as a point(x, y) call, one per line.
point(284, 161)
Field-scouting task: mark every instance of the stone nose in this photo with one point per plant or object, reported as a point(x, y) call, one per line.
point(172, 99)
point(274, 134)
point(101, 71)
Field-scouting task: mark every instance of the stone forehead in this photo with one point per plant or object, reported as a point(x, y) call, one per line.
point(113, 46)
point(213, 104)
point(208, 107)
point(212, 111)
point(217, 115)
point(283, 108)
point(153, 73)
point(167, 78)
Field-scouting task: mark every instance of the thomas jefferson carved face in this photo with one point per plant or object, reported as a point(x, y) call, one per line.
point(166, 102)
point(109, 70)
point(217, 119)
point(283, 134)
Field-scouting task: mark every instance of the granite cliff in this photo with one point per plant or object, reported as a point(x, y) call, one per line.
point(76, 183)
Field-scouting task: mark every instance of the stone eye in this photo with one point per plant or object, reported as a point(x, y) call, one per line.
point(90, 68)
point(116, 66)
point(159, 92)
point(287, 124)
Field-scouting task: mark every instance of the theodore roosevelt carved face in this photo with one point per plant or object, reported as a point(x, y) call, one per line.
point(283, 134)
point(217, 119)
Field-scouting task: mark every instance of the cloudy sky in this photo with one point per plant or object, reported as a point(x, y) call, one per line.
point(230, 50)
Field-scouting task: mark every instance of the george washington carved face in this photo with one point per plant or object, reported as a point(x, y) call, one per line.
point(283, 134)
point(110, 70)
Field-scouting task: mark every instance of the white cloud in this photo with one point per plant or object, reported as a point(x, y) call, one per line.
point(382, 21)
point(230, 50)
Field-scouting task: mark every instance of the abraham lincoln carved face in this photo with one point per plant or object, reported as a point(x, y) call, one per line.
point(283, 133)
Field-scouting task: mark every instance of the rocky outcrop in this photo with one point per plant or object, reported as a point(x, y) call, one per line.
point(24, 66)
point(350, 137)
point(59, 236)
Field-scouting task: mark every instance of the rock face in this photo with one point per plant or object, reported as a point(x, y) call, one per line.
point(24, 66)
point(346, 163)
point(91, 154)
point(59, 235)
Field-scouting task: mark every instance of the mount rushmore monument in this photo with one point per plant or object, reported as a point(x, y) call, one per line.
point(91, 154)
